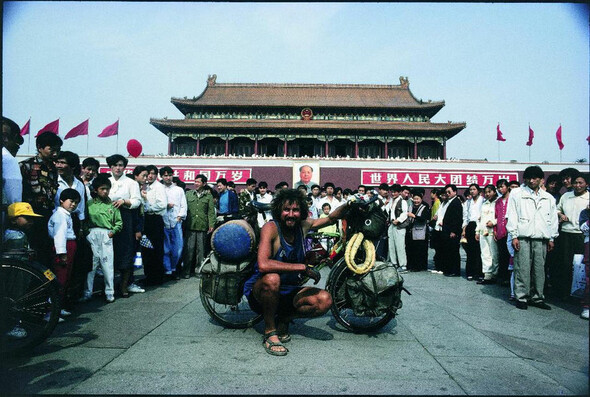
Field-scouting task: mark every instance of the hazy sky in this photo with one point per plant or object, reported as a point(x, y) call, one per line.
point(510, 63)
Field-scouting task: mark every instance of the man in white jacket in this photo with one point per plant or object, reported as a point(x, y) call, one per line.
point(532, 223)
point(175, 215)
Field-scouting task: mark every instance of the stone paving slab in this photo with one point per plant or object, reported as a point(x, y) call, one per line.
point(500, 376)
point(54, 371)
point(267, 384)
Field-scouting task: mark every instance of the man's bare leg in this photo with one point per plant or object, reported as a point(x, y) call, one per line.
point(309, 302)
point(266, 291)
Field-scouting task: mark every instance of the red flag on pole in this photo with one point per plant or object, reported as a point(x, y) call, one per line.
point(558, 136)
point(110, 130)
point(531, 136)
point(80, 129)
point(26, 128)
point(499, 136)
point(51, 127)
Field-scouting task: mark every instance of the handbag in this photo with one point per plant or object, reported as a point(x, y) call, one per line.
point(579, 277)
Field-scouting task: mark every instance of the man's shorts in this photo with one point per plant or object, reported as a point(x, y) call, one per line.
point(285, 302)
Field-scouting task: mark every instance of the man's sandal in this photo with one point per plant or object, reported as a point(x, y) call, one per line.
point(285, 338)
point(269, 348)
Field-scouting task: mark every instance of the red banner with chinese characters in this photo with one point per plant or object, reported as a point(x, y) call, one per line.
point(434, 178)
point(187, 175)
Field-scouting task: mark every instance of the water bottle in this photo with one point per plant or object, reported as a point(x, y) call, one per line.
point(137, 264)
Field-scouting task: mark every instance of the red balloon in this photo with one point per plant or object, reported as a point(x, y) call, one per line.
point(134, 147)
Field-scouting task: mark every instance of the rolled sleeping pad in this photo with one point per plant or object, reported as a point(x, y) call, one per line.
point(233, 241)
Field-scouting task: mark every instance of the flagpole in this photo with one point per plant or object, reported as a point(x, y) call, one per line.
point(29, 134)
point(529, 154)
point(117, 144)
point(498, 150)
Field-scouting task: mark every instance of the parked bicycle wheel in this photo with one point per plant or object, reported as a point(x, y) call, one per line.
point(231, 316)
point(341, 308)
point(29, 304)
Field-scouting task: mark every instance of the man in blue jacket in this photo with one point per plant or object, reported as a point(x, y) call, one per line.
point(228, 199)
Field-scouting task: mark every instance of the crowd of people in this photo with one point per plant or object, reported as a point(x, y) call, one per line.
point(522, 236)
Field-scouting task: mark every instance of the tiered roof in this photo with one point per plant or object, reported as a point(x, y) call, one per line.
point(314, 96)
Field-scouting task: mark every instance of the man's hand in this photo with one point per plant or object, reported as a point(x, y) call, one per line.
point(550, 246)
point(313, 273)
point(516, 244)
point(476, 236)
point(137, 236)
point(489, 224)
point(452, 235)
point(118, 203)
point(111, 234)
point(170, 205)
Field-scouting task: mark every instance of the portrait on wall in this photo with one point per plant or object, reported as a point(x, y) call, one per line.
point(306, 173)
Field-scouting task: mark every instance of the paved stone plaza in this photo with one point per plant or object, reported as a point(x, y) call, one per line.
point(452, 336)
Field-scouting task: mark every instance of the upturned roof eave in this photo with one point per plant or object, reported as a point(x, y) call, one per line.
point(448, 129)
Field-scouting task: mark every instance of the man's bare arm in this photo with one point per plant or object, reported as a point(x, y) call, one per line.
point(338, 213)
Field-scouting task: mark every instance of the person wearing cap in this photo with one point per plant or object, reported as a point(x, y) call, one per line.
point(12, 181)
point(20, 219)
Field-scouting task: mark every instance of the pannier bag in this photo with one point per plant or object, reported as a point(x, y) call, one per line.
point(376, 292)
point(372, 222)
point(224, 281)
point(233, 241)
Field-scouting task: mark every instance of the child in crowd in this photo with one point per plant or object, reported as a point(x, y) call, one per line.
point(325, 212)
point(104, 221)
point(20, 219)
point(61, 230)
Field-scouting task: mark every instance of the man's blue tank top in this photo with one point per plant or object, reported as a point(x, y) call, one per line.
point(288, 253)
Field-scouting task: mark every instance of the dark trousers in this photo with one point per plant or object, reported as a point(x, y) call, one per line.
point(40, 241)
point(417, 254)
point(435, 238)
point(473, 251)
point(503, 259)
point(153, 258)
point(449, 249)
point(562, 273)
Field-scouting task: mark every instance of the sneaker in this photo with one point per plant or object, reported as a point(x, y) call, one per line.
point(17, 332)
point(110, 298)
point(48, 317)
point(584, 314)
point(168, 272)
point(64, 313)
point(136, 289)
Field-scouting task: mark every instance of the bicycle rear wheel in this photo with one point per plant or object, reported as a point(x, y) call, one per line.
point(29, 300)
point(341, 308)
point(231, 316)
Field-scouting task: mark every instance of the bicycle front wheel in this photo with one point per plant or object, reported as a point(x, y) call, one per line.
point(231, 316)
point(29, 305)
point(341, 308)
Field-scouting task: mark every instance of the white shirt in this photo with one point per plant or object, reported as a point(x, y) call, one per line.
point(176, 196)
point(403, 215)
point(440, 215)
point(266, 199)
point(61, 229)
point(156, 202)
point(125, 188)
point(12, 180)
point(76, 185)
point(571, 206)
point(472, 210)
point(334, 203)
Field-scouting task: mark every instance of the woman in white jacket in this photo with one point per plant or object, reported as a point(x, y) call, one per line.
point(484, 232)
